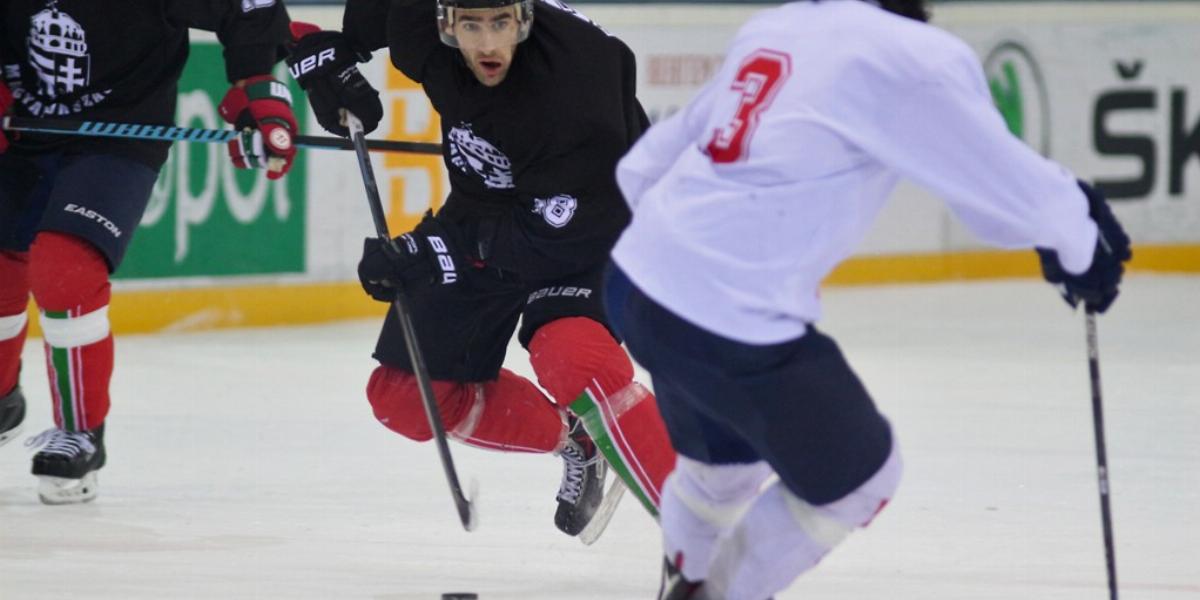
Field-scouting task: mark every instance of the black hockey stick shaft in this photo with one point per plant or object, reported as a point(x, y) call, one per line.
point(466, 512)
point(1101, 453)
point(165, 133)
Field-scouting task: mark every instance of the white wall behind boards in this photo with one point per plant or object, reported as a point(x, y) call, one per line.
point(1110, 90)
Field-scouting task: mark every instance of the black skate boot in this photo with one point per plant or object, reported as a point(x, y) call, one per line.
point(583, 480)
point(675, 587)
point(12, 414)
point(67, 464)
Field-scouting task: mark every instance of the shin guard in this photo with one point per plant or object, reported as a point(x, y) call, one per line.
point(702, 503)
point(509, 414)
point(782, 535)
point(581, 365)
point(629, 431)
point(69, 280)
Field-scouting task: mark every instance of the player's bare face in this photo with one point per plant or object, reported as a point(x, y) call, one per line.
point(488, 40)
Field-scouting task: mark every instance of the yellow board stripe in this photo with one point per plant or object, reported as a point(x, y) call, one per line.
point(194, 309)
point(949, 266)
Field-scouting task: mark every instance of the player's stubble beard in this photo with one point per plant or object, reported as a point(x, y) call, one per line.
point(478, 62)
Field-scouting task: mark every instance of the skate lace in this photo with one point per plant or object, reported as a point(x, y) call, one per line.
point(575, 466)
point(61, 442)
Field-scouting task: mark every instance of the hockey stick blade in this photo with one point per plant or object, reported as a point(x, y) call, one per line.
point(164, 133)
point(604, 513)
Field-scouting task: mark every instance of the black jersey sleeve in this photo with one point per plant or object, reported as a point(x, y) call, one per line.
point(3, 42)
point(253, 32)
point(407, 27)
point(365, 24)
point(413, 36)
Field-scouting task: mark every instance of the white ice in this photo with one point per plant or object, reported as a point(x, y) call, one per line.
point(246, 464)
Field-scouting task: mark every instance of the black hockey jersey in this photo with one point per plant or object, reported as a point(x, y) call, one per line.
point(104, 60)
point(531, 160)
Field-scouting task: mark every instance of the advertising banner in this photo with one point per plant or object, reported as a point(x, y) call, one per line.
point(206, 218)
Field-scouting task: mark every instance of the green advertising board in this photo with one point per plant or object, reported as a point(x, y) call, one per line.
point(207, 218)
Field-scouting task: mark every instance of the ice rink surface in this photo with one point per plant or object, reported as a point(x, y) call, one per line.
point(246, 464)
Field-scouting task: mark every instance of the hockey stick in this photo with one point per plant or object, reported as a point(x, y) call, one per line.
point(1101, 453)
point(466, 508)
point(166, 133)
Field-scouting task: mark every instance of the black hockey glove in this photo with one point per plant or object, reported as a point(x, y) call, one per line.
point(1096, 287)
point(325, 65)
point(425, 256)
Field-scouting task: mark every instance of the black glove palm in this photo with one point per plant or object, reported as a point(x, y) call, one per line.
point(426, 256)
point(325, 65)
point(1096, 287)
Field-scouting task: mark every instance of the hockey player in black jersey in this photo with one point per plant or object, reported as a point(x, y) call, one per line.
point(69, 205)
point(537, 104)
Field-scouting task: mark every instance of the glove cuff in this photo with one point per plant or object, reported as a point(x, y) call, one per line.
point(233, 105)
point(266, 87)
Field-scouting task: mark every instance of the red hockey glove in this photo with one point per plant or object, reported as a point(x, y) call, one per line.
point(262, 111)
point(6, 101)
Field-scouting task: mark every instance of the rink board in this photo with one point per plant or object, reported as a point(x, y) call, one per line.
point(1075, 81)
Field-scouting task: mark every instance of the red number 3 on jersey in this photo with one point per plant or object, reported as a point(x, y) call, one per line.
point(757, 81)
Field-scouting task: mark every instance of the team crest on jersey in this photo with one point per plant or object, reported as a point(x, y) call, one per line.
point(473, 154)
point(557, 210)
point(58, 53)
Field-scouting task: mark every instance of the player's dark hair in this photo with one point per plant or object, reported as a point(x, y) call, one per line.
point(913, 9)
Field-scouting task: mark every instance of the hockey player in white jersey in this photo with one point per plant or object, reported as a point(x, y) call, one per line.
point(750, 195)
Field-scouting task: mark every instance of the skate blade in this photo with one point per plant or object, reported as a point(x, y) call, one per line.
point(59, 490)
point(8, 436)
point(604, 514)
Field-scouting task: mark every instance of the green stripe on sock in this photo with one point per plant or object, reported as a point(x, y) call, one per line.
point(585, 408)
point(61, 357)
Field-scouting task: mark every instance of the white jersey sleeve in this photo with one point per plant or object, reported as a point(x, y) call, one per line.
point(657, 150)
point(946, 134)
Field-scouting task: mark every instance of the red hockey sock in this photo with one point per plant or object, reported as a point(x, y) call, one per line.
point(581, 365)
point(14, 299)
point(69, 279)
point(509, 414)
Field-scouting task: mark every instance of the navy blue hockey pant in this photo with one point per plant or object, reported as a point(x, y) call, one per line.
point(796, 405)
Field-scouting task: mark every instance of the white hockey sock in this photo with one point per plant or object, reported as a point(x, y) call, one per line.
point(700, 502)
point(782, 536)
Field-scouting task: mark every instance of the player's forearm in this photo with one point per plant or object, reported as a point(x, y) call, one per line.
point(947, 136)
point(253, 33)
point(365, 24)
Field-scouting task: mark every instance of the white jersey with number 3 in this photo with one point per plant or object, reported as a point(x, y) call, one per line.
point(750, 195)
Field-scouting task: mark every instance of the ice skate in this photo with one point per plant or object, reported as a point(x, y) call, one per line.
point(12, 414)
point(67, 464)
point(583, 481)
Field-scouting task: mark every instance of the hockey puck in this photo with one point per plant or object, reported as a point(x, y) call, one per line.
point(460, 596)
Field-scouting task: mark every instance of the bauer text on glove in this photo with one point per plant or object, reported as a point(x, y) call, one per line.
point(421, 258)
point(325, 65)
